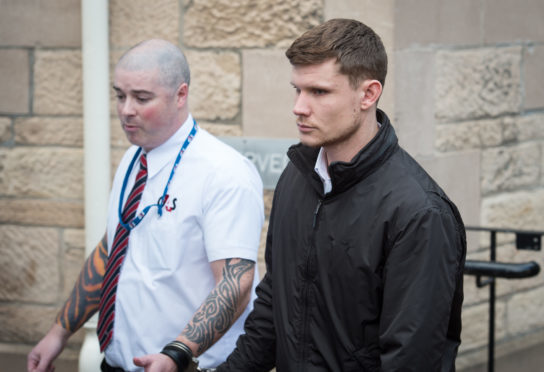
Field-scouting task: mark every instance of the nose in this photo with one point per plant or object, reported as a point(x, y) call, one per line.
point(126, 107)
point(301, 108)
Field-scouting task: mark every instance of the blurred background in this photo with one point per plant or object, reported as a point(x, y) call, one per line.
point(464, 91)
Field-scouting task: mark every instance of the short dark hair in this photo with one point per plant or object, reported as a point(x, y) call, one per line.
point(357, 48)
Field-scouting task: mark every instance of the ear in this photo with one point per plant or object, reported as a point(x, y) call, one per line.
point(181, 94)
point(371, 90)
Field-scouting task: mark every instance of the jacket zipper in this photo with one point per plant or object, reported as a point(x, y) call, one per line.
point(316, 212)
point(306, 288)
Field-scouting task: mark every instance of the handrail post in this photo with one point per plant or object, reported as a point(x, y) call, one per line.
point(491, 346)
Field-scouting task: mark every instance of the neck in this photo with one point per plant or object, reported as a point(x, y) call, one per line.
point(181, 118)
point(346, 150)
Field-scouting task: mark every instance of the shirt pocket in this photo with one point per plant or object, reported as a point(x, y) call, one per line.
point(159, 245)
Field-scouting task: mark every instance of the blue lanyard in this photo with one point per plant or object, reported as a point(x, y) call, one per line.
point(136, 220)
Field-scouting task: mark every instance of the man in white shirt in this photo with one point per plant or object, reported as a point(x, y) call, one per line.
point(173, 277)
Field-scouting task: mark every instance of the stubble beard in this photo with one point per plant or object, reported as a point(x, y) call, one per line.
point(336, 139)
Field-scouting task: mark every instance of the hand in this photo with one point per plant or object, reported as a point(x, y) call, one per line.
point(41, 357)
point(156, 363)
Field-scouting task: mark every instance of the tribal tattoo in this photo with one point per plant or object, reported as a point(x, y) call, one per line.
point(85, 297)
point(222, 306)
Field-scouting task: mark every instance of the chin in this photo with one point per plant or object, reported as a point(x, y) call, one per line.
point(310, 142)
point(135, 141)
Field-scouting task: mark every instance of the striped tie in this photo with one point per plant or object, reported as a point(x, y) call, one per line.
point(116, 257)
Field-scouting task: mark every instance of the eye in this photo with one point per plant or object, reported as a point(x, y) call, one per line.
point(297, 90)
point(319, 92)
point(143, 99)
point(120, 97)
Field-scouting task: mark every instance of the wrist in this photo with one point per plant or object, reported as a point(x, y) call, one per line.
point(180, 353)
point(60, 332)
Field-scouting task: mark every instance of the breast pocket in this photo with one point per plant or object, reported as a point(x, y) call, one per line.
point(161, 241)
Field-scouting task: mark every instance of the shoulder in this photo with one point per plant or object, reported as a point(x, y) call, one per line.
point(223, 164)
point(211, 146)
point(410, 190)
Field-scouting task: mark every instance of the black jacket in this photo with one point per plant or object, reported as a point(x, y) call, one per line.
point(366, 278)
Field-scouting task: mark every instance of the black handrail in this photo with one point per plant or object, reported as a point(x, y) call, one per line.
point(502, 269)
point(525, 239)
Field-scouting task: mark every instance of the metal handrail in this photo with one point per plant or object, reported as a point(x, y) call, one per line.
point(525, 239)
point(505, 270)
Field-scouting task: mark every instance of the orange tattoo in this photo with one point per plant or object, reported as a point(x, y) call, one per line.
point(85, 297)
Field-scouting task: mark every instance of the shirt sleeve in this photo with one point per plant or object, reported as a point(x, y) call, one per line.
point(233, 214)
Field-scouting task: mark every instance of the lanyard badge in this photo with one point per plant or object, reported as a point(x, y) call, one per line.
point(129, 225)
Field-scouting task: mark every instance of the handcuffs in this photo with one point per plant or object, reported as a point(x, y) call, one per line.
point(193, 367)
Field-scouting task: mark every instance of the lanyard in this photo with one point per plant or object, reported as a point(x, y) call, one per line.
point(136, 220)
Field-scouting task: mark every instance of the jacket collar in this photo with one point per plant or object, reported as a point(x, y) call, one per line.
point(346, 174)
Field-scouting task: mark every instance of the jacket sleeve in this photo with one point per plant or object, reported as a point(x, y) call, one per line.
point(422, 292)
point(256, 347)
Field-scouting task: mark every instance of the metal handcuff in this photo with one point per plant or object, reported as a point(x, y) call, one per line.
point(193, 367)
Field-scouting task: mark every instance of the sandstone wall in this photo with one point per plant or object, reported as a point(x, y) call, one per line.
point(464, 91)
point(470, 106)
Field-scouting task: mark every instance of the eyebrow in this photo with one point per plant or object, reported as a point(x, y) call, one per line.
point(314, 85)
point(135, 91)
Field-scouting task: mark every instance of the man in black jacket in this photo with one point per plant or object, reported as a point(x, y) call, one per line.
point(364, 252)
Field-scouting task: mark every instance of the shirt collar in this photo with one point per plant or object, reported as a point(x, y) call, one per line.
point(321, 168)
point(167, 152)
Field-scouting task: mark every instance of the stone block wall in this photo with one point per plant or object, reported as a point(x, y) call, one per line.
point(470, 106)
point(464, 92)
point(41, 159)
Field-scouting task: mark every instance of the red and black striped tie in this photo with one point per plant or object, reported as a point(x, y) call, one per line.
point(116, 258)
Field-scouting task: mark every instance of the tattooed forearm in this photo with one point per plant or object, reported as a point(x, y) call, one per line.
point(85, 297)
point(223, 305)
